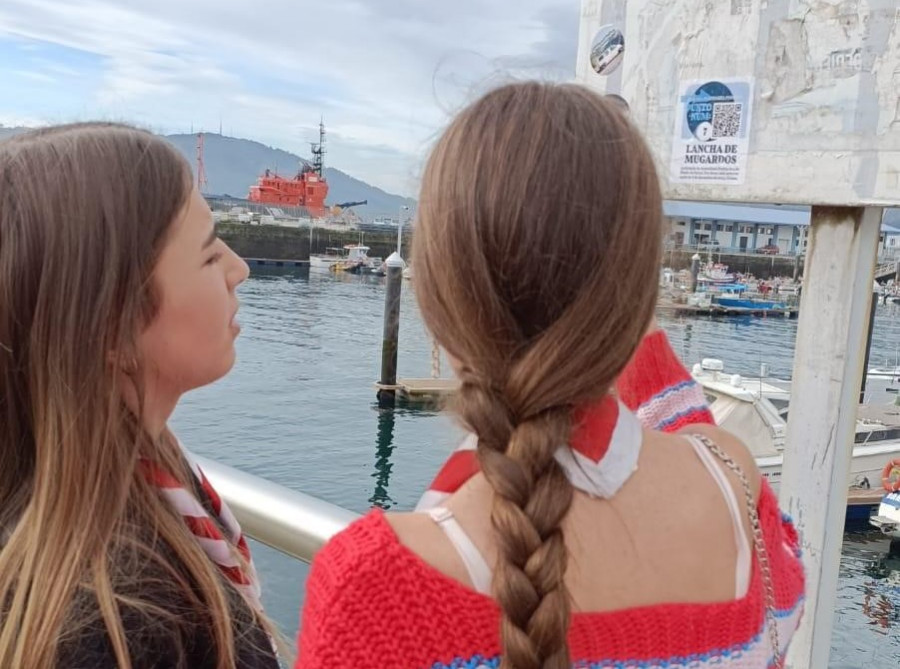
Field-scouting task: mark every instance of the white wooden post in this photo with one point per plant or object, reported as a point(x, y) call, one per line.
point(831, 338)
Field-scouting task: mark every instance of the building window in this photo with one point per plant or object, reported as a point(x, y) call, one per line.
point(728, 227)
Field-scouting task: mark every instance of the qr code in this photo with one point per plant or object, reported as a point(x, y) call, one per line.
point(726, 120)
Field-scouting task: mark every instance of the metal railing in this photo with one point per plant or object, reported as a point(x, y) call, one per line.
point(289, 521)
point(706, 247)
point(885, 268)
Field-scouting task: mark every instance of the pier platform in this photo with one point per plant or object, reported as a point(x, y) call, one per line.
point(275, 262)
point(422, 390)
point(718, 310)
point(861, 502)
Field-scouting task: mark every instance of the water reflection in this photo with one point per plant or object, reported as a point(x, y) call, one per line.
point(881, 597)
point(384, 448)
point(271, 272)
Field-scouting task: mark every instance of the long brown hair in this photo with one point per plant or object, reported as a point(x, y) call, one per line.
point(536, 255)
point(84, 213)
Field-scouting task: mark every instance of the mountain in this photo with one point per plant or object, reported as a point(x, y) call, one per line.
point(9, 132)
point(233, 165)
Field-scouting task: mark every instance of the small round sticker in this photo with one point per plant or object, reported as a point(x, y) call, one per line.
point(607, 50)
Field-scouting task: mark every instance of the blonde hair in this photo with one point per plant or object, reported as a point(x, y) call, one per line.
point(84, 212)
point(536, 254)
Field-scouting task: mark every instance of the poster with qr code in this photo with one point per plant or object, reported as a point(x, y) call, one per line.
point(712, 132)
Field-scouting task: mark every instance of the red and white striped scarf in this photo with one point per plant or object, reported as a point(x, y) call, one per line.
point(218, 547)
point(601, 456)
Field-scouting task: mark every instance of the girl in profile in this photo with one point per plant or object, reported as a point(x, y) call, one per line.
point(116, 297)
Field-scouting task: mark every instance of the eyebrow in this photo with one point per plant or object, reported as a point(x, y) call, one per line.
point(209, 240)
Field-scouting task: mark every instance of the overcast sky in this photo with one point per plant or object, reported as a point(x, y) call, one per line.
point(385, 74)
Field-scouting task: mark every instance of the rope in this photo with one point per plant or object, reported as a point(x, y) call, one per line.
point(435, 360)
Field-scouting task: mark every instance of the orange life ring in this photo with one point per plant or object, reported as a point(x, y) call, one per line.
point(890, 476)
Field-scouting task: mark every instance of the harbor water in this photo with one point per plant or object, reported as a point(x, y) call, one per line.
point(299, 409)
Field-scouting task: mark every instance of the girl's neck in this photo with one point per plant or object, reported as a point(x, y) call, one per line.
point(159, 404)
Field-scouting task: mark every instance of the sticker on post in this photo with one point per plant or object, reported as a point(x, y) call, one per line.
point(712, 132)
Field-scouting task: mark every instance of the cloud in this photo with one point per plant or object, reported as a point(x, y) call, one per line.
point(19, 121)
point(40, 77)
point(386, 74)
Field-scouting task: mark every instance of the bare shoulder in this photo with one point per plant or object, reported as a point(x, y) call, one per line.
point(735, 449)
point(413, 530)
point(420, 534)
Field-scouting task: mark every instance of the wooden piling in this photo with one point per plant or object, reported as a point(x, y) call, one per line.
point(391, 332)
point(695, 271)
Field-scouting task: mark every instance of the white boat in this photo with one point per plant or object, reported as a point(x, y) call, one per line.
point(716, 274)
point(324, 261)
point(356, 260)
point(887, 373)
point(887, 519)
point(352, 258)
point(756, 411)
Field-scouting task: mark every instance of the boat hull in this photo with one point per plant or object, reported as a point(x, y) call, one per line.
point(888, 518)
point(865, 465)
point(737, 303)
point(323, 262)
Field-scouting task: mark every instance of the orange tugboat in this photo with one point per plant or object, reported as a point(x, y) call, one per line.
point(308, 189)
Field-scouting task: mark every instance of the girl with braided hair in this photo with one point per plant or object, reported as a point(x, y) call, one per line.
point(572, 533)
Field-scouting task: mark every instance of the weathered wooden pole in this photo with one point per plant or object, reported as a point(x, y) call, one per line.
point(831, 335)
point(391, 333)
point(695, 271)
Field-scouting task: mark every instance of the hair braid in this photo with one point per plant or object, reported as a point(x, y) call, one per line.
point(532, 496)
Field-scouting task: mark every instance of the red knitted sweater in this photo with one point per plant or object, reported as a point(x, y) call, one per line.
point(372, 602)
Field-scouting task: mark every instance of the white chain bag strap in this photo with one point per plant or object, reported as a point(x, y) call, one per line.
point(759, 544)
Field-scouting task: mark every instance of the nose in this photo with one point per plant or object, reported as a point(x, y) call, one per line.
point(238, 271)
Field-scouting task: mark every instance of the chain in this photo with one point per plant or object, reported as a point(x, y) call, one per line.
point(435, 360)
point(762, 554)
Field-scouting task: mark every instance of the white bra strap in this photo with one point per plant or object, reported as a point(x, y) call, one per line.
point(479, 571)
point(743, 565)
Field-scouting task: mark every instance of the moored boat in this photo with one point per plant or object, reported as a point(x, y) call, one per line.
point(756, 411)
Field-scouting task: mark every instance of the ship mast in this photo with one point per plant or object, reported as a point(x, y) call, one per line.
point(318, 151)
point(202, 184)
